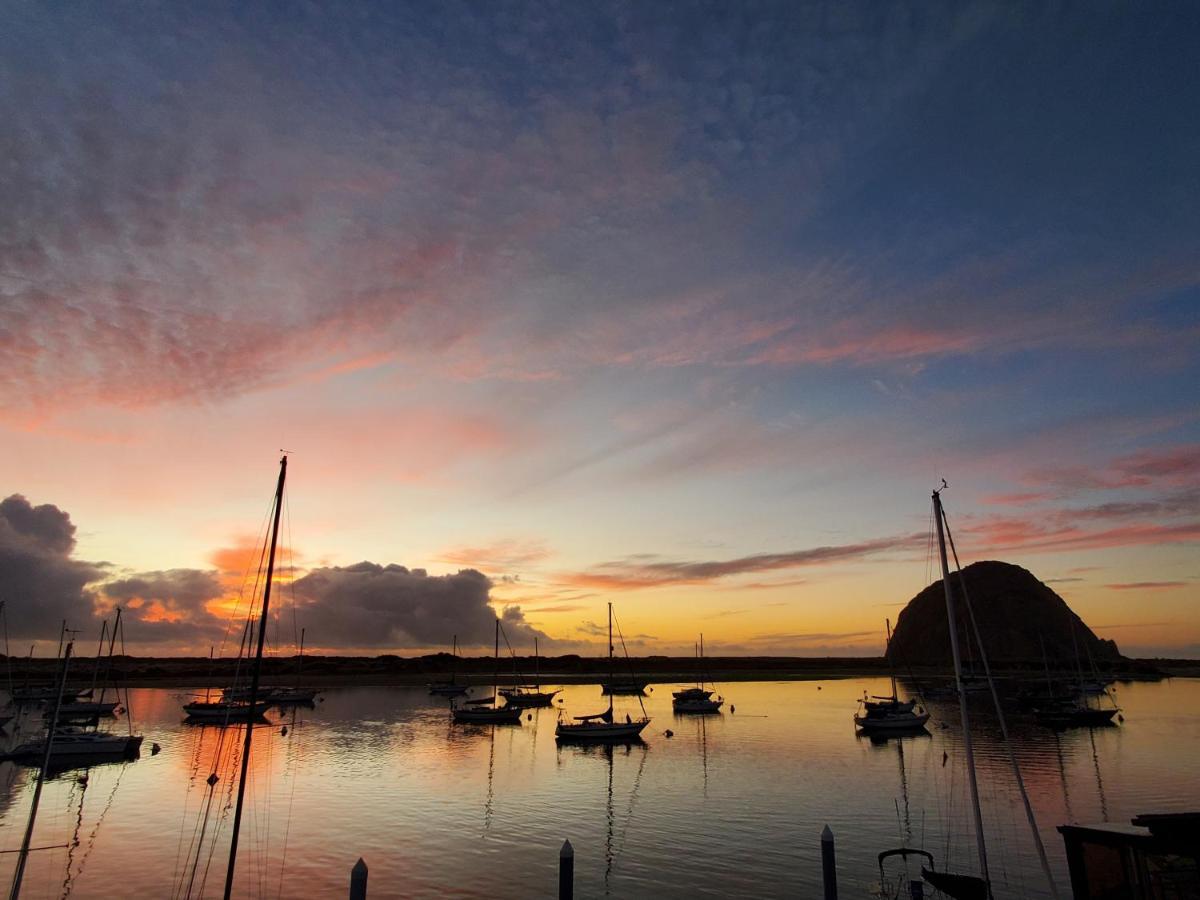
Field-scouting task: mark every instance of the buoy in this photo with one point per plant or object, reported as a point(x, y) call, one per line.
point(1120, 718)
point(732, 708)
point(283, 731)
point(213, 779)
point(529, 718)
point(669, 733)
point(154, 749)
point(818, 687)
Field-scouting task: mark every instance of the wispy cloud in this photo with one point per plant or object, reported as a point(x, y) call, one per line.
point(632, 573)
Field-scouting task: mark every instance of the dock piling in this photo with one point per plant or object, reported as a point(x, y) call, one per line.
point(566, 872)
point(828, 864)
point(358, 881)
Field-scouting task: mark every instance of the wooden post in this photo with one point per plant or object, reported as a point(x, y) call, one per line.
point(358, 881)
point(566, 872)
point(828, 865)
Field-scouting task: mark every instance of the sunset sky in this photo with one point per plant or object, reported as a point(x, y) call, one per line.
point(683, 306)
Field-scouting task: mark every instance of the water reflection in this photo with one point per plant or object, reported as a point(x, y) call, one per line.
point(382, 773)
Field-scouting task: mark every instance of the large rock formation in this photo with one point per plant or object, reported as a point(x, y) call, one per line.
point(1017, 615)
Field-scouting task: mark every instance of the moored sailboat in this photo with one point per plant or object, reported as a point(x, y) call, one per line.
point(697, 699)
point(487, 710)
point(889, 715)
point(602, 726)
point(530, 696)
point(449, 688)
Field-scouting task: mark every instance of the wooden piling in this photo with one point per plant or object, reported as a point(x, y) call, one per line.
point(566, 872)
point(358, 881)
point(828, 864)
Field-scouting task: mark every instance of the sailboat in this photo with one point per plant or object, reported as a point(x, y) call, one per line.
point(87, 709)
point(295, 695)
point(449, 688)
point(1071, 710)
point(697, 699)
point(530, 696)
point(486, 710)
point(889, 715)
point(65, 746)
point(601, 726)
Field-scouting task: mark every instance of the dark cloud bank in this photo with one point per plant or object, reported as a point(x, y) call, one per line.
point(365, 606)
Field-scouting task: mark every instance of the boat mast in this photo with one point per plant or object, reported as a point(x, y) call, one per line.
point(496, 666)
point(300, 662)
point(255, 672)
point(612, 686)
point(99, 655)
point(23, 856)
point(112, 643)
point(891, 662)
point(981, 845)
point(537, 668)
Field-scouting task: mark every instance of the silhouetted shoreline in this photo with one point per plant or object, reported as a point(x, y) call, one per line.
point(336, 671)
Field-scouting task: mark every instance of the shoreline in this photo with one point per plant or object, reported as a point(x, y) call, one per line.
point(329, 672)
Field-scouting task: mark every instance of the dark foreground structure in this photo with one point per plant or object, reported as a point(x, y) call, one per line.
point(1155, 857)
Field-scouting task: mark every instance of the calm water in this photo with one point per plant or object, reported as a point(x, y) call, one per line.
point(732, 805)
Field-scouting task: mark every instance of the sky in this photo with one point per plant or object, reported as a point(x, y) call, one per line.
point(682, 306)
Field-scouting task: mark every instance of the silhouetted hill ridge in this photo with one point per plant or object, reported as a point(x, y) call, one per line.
point(1016, 613)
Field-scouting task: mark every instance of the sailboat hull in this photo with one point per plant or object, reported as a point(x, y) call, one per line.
point(891, 724)
point(599, 731)
point(506, 715)
point(447, 690)
point(697, 706)
point(529, 699)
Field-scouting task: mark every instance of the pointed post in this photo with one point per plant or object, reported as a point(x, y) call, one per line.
point(566, 872)
point(828, 864)
point(358, 881)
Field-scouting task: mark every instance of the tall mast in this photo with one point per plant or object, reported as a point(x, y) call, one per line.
point(112, 643)
point(23, 856)
point(99, 655)
point(981, 845)
point(256, 671)
point(537, 668)
point(300, 662)
point(496, 666)
point(891, 662)
point(611, 672)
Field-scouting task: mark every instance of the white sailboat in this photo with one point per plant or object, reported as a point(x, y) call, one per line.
point(602, 726)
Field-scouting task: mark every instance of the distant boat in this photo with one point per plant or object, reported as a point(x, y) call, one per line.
point(601, 726)
point(296, 695)
point(75, 744)
point(449, 688)
point(1067, 710)
point(225, 710)
point(486, 711)
point(889, 715)
point(530, 696)
point(629, 687)
point(697, 699)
